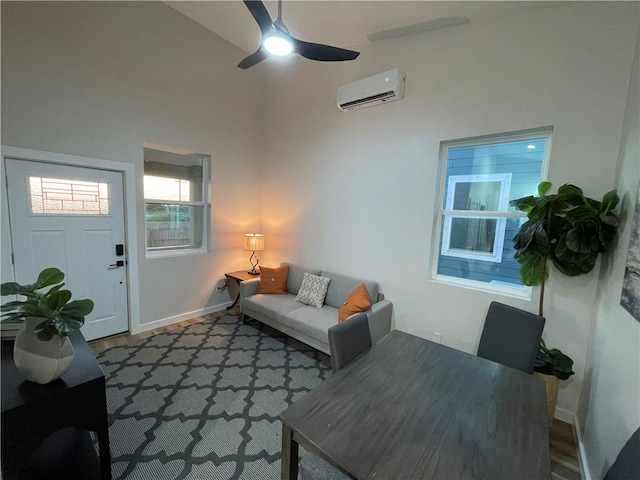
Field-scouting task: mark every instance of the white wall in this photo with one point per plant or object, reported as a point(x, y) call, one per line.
point(610, 402)
point(98, 79)
point(355, 192)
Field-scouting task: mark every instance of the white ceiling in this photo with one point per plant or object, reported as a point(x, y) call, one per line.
point(340, 23)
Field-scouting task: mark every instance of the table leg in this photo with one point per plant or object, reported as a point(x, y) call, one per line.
point(226, 285)
point(289, 455)
point(234, 302)
point(105, 454)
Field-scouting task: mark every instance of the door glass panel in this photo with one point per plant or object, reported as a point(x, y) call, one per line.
point(57, 196)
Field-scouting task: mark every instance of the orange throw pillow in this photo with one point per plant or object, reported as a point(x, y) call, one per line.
point(273, 280)
point(358, 301)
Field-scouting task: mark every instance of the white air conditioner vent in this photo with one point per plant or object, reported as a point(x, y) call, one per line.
point(380, 88)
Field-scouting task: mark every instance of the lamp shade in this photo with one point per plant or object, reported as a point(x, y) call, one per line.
point(253, 242)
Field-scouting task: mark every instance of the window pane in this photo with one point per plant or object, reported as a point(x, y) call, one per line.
point(474, 234)
point(173, 226)
point(523, 158)
point(478, 196)
point(478, 265)
point(58, 196)
point(173, 177)
point(171, 189)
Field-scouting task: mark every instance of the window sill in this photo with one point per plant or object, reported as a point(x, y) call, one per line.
point(175, 253)
point(498, 288)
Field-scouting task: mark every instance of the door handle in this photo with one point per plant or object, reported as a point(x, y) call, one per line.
point(119, 263)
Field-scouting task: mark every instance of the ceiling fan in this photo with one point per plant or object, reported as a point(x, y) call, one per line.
point(276, 40)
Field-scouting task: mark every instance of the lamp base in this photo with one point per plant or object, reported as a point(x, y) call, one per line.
point(253, 272)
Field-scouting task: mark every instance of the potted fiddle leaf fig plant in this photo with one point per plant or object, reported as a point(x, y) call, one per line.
point(42, 350)
point(566, 230)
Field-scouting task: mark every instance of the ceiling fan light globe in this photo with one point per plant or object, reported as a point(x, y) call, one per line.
point(278, 45)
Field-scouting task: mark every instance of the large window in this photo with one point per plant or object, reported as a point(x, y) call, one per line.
point(475, 224)
point(176, 202)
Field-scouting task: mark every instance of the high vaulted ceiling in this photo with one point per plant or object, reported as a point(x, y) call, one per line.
point(342, 23)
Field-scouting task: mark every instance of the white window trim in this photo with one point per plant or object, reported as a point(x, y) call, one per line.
point(501, 222)
point(513, 292)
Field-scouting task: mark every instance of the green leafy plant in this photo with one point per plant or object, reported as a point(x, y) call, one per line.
point(567, 230)
point(553, 362)
point(60, 315)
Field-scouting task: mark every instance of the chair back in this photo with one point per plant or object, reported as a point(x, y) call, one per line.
point(349, 339)
point(511, 337)
point(627, 464)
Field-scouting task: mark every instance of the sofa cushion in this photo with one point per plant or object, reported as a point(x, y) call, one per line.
point(296, 274)
point(274, 306)
point(273, 280)
point(312, 321)
point(358, 301)
point(341, 287)
point(313, 290)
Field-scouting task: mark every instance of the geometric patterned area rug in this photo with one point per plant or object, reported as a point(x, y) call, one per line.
point(202, 402)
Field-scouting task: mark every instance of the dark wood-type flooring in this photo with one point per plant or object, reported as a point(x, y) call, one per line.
point(564, 452)
point(563, 448)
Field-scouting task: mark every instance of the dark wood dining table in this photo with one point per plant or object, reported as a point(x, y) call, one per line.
point(410, 408)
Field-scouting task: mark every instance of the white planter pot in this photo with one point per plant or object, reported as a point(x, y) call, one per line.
point(41, 362)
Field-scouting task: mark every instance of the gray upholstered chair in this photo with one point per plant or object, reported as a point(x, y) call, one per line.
point(349, 339)
point(627, 464)
point(511, 337)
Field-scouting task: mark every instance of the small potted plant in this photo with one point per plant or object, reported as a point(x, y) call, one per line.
point(42, 351)
point(567, 230)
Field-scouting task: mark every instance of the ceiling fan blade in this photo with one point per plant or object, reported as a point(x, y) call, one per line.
point(260, 13)
point(323, 53)
point(254, 58)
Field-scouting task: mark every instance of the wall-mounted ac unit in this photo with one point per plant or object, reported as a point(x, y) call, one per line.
point(374, 90)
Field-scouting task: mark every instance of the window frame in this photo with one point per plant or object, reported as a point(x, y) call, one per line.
point(497, 286)
point(204, 203)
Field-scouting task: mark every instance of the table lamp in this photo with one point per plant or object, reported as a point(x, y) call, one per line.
point(253, 242)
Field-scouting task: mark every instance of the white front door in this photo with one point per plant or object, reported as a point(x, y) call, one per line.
point(72, 218)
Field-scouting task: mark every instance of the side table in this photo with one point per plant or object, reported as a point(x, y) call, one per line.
point(239, 276)
point(31, 412)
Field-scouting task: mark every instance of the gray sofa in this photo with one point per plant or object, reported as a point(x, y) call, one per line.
point(310, 324)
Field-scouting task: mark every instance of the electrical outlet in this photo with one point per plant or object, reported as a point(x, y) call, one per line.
point(438, 336)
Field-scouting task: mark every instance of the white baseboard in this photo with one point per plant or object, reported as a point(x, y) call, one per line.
point(570, 418)
point(564, 415)
point(163, 322)
point(582, 454)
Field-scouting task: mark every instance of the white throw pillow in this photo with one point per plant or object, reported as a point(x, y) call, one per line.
point(313, 290)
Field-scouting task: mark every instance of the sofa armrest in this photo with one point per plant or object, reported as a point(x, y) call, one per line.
point(249, 288)
point(379, 319)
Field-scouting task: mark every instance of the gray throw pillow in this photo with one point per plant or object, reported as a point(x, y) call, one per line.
point(313, 290)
